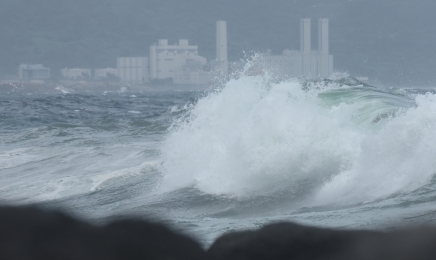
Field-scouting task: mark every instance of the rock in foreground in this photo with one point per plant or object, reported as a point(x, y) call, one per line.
point(32, 233)
point(284, 241)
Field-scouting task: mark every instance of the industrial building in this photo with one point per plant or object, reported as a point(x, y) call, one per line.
point(133, 69)
point(76, 74)
point(178, 63)
point(305, 62)
point(181, 63)
point(103, 73)
point(33, 72)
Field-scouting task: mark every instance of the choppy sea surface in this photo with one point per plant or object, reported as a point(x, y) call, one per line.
point(334, 153)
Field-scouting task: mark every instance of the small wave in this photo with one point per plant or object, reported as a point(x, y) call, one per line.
point(98, 180)
point(64, 90)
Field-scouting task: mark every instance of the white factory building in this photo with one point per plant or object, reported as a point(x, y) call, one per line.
point(133, 69)
point(103, 73)
point(33, 72)
point(304, 62)
point(75, 74)
point(179, 62)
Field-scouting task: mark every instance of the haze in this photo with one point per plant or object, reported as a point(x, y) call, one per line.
point(391, 41)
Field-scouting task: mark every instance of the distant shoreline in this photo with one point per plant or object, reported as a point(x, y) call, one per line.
point(89, 87)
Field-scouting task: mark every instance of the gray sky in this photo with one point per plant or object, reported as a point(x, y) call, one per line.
point(393, 41)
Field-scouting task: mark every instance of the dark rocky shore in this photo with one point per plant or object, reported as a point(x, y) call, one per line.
point(33, 233)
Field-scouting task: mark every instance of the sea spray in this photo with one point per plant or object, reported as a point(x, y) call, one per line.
point(342, 143)
point(398, 158)
point(255, 137)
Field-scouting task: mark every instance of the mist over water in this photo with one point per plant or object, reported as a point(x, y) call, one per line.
point(332, 153)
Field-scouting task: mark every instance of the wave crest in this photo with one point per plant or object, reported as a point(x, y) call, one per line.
point(337, 142)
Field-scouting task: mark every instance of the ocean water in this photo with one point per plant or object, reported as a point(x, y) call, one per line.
point(333, 153)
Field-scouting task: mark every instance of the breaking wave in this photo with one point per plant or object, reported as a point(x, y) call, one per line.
point(332, 141)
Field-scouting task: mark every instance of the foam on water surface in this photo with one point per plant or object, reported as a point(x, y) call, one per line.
point(255, 137)
point(334, 153)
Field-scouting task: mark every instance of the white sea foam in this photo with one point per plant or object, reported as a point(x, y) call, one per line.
point(400, 157)
point(254, 137)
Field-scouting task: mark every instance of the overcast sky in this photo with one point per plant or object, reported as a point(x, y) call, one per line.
point(392, 41)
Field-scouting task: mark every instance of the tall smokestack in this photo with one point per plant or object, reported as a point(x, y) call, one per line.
point(305, 40)
point(221, 41)
point(306, 46)
point(323, 36)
